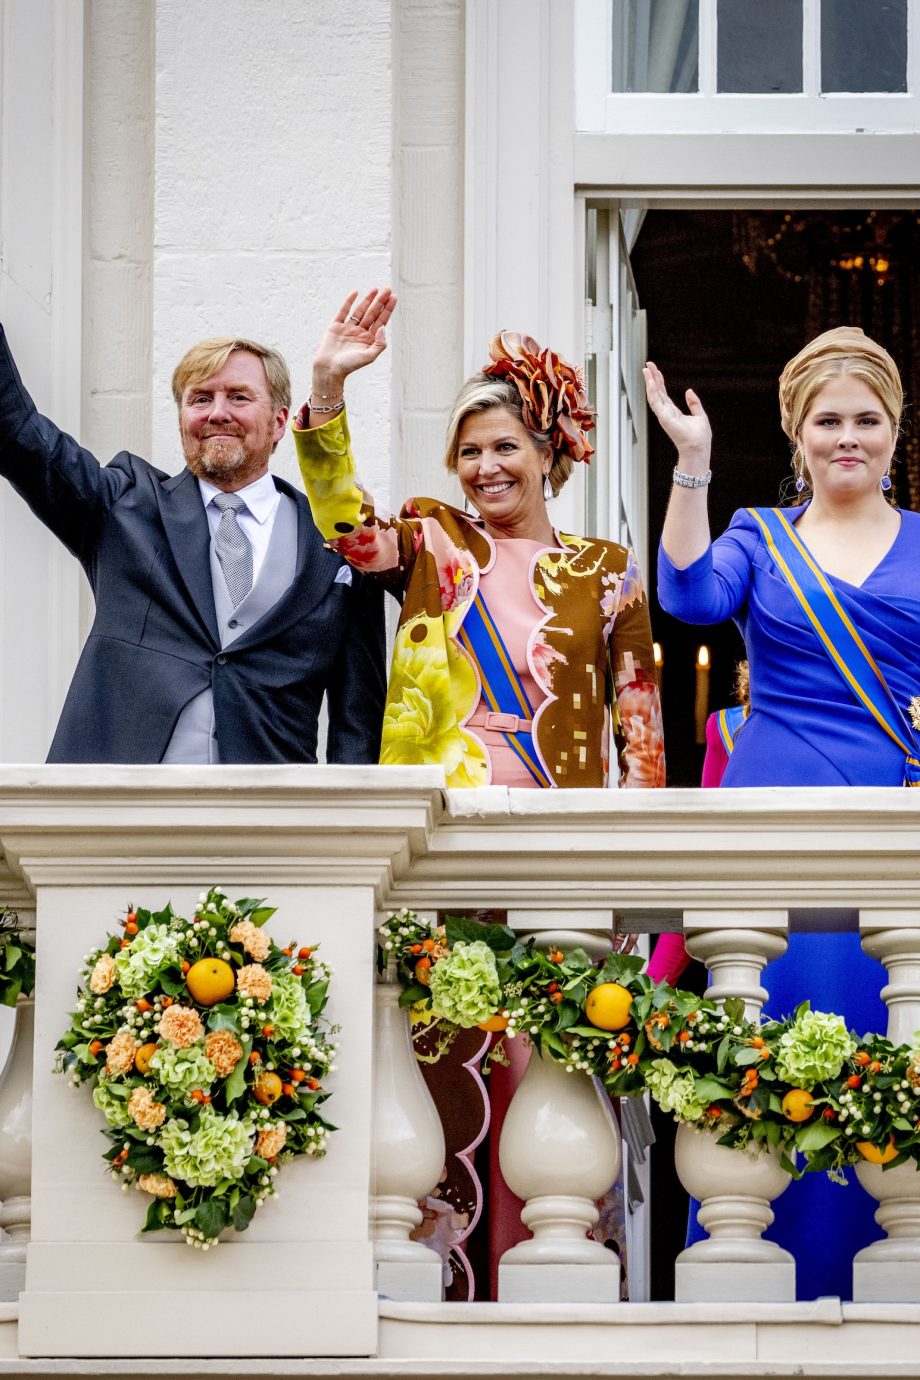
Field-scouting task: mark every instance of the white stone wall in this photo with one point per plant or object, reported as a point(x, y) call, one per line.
point(428, 230)
point(273, 190)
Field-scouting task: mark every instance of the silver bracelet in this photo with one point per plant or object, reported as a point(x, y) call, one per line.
point(690, 481)
point(336, 407)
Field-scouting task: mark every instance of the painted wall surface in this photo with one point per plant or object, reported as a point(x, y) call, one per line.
point(272, 190)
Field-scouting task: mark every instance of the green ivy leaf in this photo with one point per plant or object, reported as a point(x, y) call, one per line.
point(156, 1215)
point(211, 1217)
point(816, 1136)
point(243, 1211)
point(235, 1083)
point(461, 930)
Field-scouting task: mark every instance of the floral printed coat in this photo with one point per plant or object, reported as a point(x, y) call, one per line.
point(591, 651)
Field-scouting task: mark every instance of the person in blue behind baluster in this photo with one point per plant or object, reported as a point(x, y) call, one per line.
point(826, 595)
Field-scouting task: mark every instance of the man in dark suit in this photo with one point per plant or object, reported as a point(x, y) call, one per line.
point(221, 618)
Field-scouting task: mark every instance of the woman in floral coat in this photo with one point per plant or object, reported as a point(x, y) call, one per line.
point(517, 645)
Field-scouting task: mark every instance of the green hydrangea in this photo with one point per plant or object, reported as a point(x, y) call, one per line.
point(180, 1071)
point(674, 1090)
point(219, 1149)
point(464, 984)
point(289, 1012)
point(147, 953)
point(814, 1047)
point(112, 1107)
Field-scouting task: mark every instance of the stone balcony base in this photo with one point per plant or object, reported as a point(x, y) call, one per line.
point(471, 1341)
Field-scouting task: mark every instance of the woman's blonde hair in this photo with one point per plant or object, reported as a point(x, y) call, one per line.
point(478, 394)
point(843, 350)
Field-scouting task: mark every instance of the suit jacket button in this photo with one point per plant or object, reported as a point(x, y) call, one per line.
point(221, 661)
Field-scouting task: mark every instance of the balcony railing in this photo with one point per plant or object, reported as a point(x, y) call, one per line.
point(335, 849)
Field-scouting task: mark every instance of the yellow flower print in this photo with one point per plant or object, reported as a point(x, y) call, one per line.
point(432, 686)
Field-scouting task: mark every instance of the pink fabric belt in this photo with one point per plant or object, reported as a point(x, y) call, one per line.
point(508, 723)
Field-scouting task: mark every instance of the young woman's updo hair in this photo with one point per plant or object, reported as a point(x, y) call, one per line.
point(478, 394)
point(844, 350)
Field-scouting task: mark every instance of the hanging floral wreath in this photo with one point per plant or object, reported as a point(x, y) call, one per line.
point(201, 1040)
point(804, 1085)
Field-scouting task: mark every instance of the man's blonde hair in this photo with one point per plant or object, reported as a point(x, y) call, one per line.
point(208, 357)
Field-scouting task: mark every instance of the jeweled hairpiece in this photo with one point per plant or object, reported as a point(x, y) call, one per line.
point(552, 392)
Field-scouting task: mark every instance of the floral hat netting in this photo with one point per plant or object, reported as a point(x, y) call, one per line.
point(552, 392)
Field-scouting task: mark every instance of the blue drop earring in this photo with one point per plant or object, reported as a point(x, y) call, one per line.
point(885, 483)
point(799, 483)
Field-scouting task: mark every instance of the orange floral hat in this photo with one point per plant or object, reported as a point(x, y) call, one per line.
point(553, 392)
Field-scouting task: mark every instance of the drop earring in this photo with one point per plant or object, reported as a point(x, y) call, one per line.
point(799, 483)
point(548, 489)
point(885, 481)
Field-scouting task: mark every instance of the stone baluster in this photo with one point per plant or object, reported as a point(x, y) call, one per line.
point(16, 1151)
point(889, 1270)
point(408, 1155)
point(734, 1189)
point(560, 1151)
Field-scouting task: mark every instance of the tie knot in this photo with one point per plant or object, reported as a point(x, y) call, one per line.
point(228, 502)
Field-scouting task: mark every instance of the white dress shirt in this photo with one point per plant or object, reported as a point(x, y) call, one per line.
point(255, 521)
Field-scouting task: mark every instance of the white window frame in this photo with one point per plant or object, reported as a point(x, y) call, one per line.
point(707, 111)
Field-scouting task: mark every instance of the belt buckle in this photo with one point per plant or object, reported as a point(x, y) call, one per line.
point(503, 723)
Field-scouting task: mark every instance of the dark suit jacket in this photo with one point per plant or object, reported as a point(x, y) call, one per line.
point(142, 538)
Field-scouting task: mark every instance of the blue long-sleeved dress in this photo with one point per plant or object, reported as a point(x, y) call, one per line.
point(806, 728)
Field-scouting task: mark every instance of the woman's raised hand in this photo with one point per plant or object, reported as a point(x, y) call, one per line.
point(690, 431)
point(355, 336)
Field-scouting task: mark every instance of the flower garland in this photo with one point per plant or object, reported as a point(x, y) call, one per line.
point(17, 960)
point(805, 1085)
point(200, 1040)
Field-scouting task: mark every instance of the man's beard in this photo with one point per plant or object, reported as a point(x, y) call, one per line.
point(223, 457)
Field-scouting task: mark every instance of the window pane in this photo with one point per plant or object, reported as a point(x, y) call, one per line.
point(864, 45)
point(760, 45)
point(655, 45)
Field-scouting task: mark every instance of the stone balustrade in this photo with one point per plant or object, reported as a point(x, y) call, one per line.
point(334, 849)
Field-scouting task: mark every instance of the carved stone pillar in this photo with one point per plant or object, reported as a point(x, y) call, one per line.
point(408, 1156)
point(889, 1270)
point(16, 1152)
point(734, 1189)
point(560, 1151)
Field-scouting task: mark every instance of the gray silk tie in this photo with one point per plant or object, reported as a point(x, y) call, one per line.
point(232, 548)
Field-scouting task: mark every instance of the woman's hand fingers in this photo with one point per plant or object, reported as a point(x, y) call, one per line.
point(356, 336)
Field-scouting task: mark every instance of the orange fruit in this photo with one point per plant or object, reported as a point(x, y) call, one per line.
point(143, 1056)
point(496, 1022)
point(608, 1006)
point(874, 1155)
point(267, 1088)
point(210, 980)
point(797, 1105)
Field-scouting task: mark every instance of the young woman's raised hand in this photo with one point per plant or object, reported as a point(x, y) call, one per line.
point(690, 431)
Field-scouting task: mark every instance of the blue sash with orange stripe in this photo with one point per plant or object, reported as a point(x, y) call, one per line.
point(837, 633)
point(728, 722)
point(501, 684)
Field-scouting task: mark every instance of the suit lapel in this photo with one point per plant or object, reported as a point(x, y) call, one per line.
point(189, 537)
point(315, 571)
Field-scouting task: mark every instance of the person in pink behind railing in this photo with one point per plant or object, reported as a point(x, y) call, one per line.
point(669, 956)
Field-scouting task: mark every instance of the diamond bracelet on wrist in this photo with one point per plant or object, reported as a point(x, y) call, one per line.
point(690, 481)
point(336, 407)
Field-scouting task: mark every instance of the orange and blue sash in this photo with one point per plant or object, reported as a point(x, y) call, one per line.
point(501, 685)
point(837, 633)
point(728, 722)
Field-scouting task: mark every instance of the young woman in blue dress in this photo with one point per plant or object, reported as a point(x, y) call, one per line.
point(827, 598)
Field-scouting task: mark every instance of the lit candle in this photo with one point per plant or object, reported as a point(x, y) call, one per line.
point(701, 705)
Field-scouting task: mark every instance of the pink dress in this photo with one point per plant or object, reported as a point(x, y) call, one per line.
point(517, 620)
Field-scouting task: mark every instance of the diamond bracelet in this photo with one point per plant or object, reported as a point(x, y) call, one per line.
point(690, 481)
